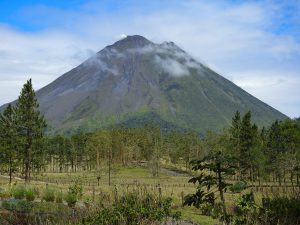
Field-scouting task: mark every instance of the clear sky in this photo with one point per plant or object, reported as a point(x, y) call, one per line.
point(255, 44)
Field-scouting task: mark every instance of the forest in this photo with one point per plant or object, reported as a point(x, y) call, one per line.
point(243, 174)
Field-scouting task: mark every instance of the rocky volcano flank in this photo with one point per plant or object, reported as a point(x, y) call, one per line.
point(135, 81)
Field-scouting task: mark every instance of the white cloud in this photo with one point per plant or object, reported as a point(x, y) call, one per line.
point(171, 66)
point(236, 40)
point(279, 88)
point(123, 35)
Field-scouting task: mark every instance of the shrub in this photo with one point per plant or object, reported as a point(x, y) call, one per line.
point(245, 210)
point(49, 195)
point(18, 205)
point(18, 192)
point(238, 187)
point(30, 194)
point(24, 206)
point(71, 199)
point(134, 208)
point(281, 210)
point(74, 193)
point(76, 189)
point(8, 205)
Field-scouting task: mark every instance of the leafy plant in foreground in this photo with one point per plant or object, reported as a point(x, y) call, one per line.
point(220, 166)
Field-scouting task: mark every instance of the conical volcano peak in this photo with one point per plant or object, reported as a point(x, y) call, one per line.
point(136, 82)
point(131, 41)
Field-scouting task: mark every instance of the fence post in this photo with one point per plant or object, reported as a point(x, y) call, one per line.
point(159, 193)
point(93, 193)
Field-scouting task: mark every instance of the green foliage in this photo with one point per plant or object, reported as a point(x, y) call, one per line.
point(30, 125)
point(238, 187)
point(281, 210)
point(49, 195)
point(9, 140)
point(30, 194)
point(18, 191)
point(221, 165)
point(76, 189)
point(71, 199)
point(245, 210)
point(18, 205)
point(133, 209)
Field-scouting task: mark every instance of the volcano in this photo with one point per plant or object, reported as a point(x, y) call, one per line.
point(136, 82)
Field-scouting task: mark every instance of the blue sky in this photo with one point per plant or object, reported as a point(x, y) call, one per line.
point(255, 44)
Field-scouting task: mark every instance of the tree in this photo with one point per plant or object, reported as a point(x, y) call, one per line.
point(98, 145)
point(78, 149)
point(8, 139)
point(221, 166)
point(235, 132)
point(30, 124)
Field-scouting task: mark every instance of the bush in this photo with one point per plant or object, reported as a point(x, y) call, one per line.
point(238, 187)
point(76, 189)
point(74, 193)
point(71, 199)
point(18, 192)
point(9, 205)
point(133, 209)
point(281, 210)
point(30, 194)
point(245, 211)
point(18, 205)
point(49, 195)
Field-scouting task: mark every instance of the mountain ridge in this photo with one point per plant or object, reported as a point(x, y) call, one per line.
point(135, 77)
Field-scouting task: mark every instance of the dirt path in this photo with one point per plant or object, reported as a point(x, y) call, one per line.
point(21, 179)
point(13, 178)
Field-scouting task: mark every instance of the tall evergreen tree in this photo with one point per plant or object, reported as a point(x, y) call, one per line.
point(8, 139)
point(31, 124)
point(247, 135)
point(235, 131)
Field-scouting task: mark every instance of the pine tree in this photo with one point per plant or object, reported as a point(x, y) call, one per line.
point(247, 137)
point(235, 136)
point(31, 124)
point(8, 139)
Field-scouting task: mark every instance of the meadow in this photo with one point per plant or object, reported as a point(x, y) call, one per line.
point(170, 182)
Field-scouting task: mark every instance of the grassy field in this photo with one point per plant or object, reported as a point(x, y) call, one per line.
point(122, 179)
point(168, 183)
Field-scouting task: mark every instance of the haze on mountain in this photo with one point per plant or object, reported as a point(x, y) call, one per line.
point(136, 82)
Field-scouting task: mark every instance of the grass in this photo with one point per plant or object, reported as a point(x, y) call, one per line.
point(191, 214)
point(127, 179)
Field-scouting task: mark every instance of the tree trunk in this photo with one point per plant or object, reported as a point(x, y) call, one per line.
point(220, 188)
point(10, 170)
point(28, 156)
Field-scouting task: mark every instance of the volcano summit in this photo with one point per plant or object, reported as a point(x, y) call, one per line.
point(135, 81)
